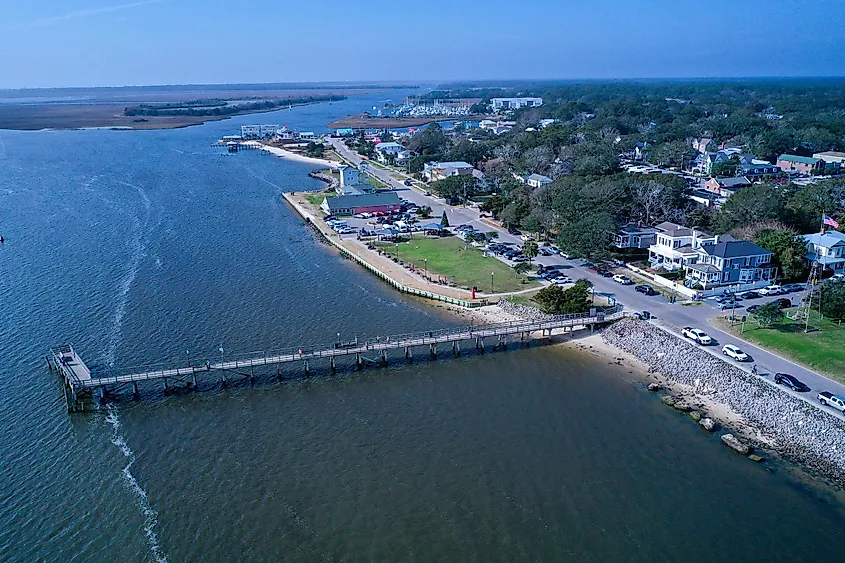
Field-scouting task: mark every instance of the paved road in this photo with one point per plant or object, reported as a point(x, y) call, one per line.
point(672, 316)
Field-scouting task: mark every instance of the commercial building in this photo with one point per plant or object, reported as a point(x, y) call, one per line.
point(832, 159)
point(268, 131)
point(383, 202)
point(499, 104)
point(793, 164)
point(250, 131)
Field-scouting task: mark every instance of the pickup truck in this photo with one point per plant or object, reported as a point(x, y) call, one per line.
point(697, 335)
point(836, 401)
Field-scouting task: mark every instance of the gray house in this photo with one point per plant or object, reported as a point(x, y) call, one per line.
point(730, 262)
point(632, 235)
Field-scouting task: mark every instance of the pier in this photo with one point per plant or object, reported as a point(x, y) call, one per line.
point(80, 380)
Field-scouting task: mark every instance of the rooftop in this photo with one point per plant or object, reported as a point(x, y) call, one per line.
point(456, 164)
point(736, 182)
point(631, 228)
point(799, 159)
point(734, 249)
point(828, 239)
point(363, 200)
point(829, 153)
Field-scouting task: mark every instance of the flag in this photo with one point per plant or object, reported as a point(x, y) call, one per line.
point(827, 220)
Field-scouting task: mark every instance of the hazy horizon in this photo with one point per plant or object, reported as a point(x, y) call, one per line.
point(109, 43)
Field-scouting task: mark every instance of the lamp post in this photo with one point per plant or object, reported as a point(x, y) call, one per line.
point(397, 251)
point(491, 281)
point(425, 261)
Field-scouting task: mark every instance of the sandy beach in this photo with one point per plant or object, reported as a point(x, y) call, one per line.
point(286, 154)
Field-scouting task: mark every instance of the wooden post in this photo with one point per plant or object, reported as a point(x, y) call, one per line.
point(165, 386)
point(307, 370)
point(135, 388)
point(223, 374)
point(251, 375)
point(332, 366)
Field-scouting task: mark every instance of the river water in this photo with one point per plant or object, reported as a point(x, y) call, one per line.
point(152, 245)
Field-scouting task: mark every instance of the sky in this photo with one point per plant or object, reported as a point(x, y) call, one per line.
point(56, 43)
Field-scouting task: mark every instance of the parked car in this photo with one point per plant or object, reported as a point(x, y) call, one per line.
point(734, 352)
point(407, 182)
point(560, 280)
point(790, 287)
point(750, 295)
point(791, 381)
point(722, 305)
point(604, 273)
point(827, 398)
point(784, 303)
point(645, 289)
point(752, 308)
point(697, 335)
point(624, 280)
point(771, 290)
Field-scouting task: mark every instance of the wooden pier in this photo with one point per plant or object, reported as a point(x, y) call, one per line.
point(78, 379)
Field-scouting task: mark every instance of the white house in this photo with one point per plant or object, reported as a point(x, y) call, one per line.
point(348, 176)
point(307, 136)
point(499, 104)
point(433, 171)
point(537, 180)
point(826, 248)
point(677, 246)
point(384, 149)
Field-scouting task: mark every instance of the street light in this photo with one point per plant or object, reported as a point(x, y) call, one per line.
point(491, 281)
point(425, 260)
point(397, 251)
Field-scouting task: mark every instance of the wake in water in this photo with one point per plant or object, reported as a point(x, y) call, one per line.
point(150, 515)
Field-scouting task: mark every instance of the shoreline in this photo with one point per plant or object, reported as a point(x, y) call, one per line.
point(290, 155)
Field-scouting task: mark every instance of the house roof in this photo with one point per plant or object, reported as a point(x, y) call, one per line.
point(631, 228)
point(827, 240)
point(734, 249)
point(704, 268)
point(737, 182)
point(388, 145)
point(829, 153)
point(362, 200)
point(539, 178)
point(799, 159)
point(675, 230)
point(457, 164)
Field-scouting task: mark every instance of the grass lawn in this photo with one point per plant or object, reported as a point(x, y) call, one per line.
point(463, 265)
point(316, 199)
point(822, 350)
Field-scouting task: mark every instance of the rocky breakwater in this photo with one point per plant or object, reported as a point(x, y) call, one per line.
point(781, 422)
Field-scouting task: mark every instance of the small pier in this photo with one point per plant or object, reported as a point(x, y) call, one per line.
point(79, 379)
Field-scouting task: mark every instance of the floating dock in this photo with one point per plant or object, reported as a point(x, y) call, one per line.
point(79, 379)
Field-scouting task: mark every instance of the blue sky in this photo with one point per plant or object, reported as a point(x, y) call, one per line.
point(49, 43)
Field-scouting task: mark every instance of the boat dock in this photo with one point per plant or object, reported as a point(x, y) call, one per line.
point(79, 379)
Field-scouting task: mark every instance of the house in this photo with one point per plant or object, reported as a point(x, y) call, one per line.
point(348, 176)
point(537, 180)
point(792, 164)
point(543, 123)
point(344, 132)
point(633, 235)
point(756, 169)
point(700, 144)
point(499, 104)
point(726, 187)
point(433, 171)
point(676, 246)
point(730, 262)
point(711, 159)
point(268, 131)
point(706, 198)
point(832, 159)
point(382, 202)
point(497, 127)
point(826, 248)
point(385, 149)
point(306, 136)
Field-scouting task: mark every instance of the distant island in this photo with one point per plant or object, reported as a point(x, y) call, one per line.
point(158, 107)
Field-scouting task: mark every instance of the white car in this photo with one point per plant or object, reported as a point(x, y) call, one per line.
point(734, 352)
point(562, 280)
point(624, 280)
point(525, 238)
point(771, 290)
point(835, 401)
point(697, 335)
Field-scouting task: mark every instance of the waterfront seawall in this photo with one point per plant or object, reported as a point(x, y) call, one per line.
point(790, 426)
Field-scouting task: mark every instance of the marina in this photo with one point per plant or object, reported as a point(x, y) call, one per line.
point(79, 379)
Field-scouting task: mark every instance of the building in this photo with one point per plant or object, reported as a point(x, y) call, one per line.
point(285, 134)
point(348, 176)
point(712, 159)
point(382, 202)
point(633, 235)
point(707, 199)
point(344, 132)
point(499, 104)
point(677, 246)
point(726, 187)
point(250, 131)
point(700, 144)
point(832, 159)
point(433, 171)
point(792, 164)
point(537, 180)
point(306, 136)
point(497, 127)
point(268, 131)
point(730, 262)
point(826, 248)
point(758, 168)
point(385, 149)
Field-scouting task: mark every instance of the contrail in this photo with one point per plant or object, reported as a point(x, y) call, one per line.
point(85, 13)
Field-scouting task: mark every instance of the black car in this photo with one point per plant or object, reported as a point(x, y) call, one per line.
point(605, 273)
point(752, 308)
point(792, 382)
point(784, 303)
point(751, 295)
point(645, 289)
point(513, 231)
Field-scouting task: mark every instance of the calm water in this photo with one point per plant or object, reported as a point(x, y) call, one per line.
point(143, 246)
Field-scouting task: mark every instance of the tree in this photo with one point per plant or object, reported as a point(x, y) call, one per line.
point(457, 187)
point(430, 142)
point(444, 221)
point(424, 211)
point(555, 300)
point(769, 314)
point(539, 159)
point(522, 268)
point(789, 250)
point(753, 204)
point(530, 249)
point(588, 236)
point(831, 295)
point(673, 154)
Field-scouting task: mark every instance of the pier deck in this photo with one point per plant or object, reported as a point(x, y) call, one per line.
point(79, 378)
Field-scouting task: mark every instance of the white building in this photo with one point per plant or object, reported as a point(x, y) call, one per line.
point(348, 176)
point(384, 149)
point(307, 136)
point(515, 103)
point(831, 157)
point(268, 131)
point(250, 131)
point(826, 248)
point(433, 171)
point(537, 180)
